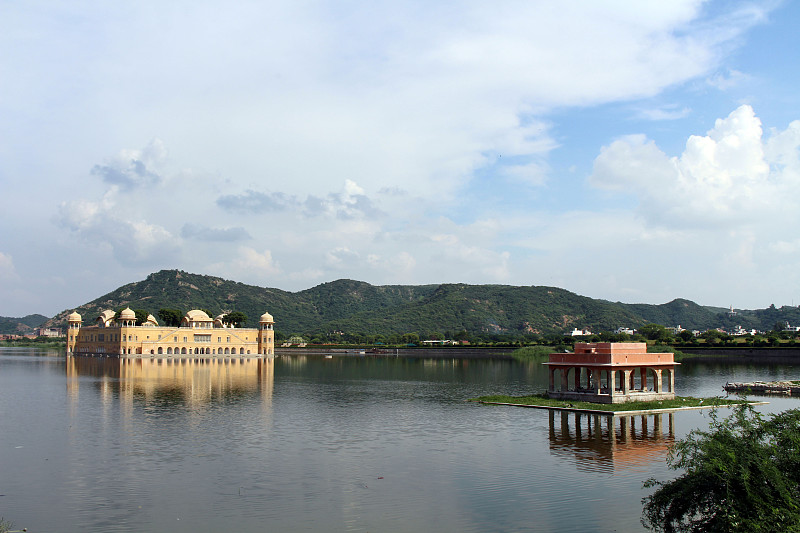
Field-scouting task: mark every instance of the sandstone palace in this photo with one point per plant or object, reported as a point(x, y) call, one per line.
point(116, 334)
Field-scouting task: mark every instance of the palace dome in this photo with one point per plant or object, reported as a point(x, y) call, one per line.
point(266, 317)
point(127, 314)
point(152, 320)
point(74, 317)
point(196, 314)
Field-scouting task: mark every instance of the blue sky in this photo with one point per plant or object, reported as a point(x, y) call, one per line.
point(637, 152)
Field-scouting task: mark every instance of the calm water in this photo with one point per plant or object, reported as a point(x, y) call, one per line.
point(315, 444)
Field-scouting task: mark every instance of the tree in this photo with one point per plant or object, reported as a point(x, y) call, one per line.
point(743, 474)
point(712, 336)
point(410, 338)
point(141, 316)
point(656, 332)
point(170, 317)
point(235, 318)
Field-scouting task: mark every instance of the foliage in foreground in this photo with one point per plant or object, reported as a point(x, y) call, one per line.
point(743, 474)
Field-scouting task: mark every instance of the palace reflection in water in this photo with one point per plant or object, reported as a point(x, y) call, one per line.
point(601, 442)
point(192, 381)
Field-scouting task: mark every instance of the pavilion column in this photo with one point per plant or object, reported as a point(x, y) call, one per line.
point(658, 383)
point(612, 383)
point(552, 379)
point(631, 382)
point(564, 378)
point(576, 381)
point(626, 381)
point(596, 377)
point(671, 380)
point(643, 376)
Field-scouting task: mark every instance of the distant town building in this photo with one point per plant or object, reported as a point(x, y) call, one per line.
point(580, 332)
point(48, 332)
point(606, 372)
point(623, 330)
point(198, 334)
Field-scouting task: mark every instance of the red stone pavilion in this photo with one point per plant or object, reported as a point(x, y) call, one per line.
point(612, 372)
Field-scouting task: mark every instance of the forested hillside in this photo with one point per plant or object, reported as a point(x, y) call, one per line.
point(352, 307)
point(21, 326)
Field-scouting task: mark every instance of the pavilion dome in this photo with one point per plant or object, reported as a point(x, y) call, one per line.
point(266, 317)
point(151, 319)
point(196, 314)
point(74, 317)
point(106, 317)
point(127, 314)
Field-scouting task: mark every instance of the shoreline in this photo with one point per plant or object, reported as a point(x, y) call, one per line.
point(541, 401)
point(620, 413)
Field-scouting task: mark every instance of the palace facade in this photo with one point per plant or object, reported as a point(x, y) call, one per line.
point(198, 335)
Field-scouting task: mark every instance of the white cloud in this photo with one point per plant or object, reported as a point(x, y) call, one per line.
point(252, 261)
point(134, 168)
point(730, 176)
point(665, 113)
point(727, 80)
point(341, 258)
point(7, 270)
point(131, 241)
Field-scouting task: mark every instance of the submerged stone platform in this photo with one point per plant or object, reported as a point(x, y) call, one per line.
point(789, 388)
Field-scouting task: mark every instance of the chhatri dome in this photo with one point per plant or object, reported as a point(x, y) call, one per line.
point(197, 314)
point(127, 314)
point(266, 317)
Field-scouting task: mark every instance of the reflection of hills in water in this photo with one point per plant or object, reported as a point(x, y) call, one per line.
point(599, 442)
point(190, 380)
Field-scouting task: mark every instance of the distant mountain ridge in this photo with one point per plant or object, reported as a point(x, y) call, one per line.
point(21, 326)
point(355, 306)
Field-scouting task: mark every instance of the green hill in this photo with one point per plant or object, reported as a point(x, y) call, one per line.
point(21, 326)
point(356, 307)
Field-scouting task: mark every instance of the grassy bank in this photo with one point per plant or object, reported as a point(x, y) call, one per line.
point(542, 400)
point(31, 343)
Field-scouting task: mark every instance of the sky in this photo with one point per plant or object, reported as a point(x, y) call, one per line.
point(630, 151)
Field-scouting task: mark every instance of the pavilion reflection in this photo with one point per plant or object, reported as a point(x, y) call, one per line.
point(191, 381)
point(605, 442)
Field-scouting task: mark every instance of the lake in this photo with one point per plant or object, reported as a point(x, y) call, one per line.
point(308, 443)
